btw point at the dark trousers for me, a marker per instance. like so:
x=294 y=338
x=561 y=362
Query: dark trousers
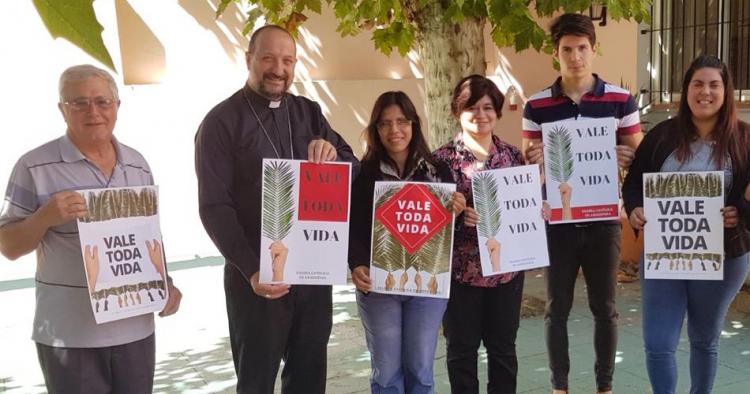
x=490 y=315
x=262 y=332
x=595 y=248
x=126 y=369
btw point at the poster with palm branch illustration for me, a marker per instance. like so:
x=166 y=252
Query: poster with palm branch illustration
x=304 y=222
x=684 y=231
x=122 y=253
x=509 y=204
x=580 y=167
x=412 y=239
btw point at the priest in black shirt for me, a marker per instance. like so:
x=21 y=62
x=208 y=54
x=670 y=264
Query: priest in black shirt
x=267 y=322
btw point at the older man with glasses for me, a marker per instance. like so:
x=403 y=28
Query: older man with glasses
x=39 y=214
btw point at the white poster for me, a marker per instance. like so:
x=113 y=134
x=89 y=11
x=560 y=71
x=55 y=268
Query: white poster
x=511 y=230
x=412 y=239
x=580 y=167
x=684 y=231
x=122 y=252
x=305 y=222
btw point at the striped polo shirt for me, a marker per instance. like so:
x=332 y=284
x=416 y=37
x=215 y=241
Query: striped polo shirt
x=63 y=315
x=604 y=101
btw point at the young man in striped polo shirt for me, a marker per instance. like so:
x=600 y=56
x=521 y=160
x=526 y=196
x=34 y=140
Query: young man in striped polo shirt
x=593 y=246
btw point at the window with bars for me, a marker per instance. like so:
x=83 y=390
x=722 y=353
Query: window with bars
x=681 y=30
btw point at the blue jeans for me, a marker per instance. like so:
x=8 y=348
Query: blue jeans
x=401 y=333
x=665 y=303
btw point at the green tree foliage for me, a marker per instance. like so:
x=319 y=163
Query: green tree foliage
x=397 y=23
x=75 y=21
x=448 y=35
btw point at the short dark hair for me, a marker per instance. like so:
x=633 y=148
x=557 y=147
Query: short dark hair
x=572 y=24
x=376 y=152
x=256 y=34
x=472 y=88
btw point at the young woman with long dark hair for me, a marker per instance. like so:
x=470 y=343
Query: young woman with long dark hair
x=705 y=136
x=401 y=331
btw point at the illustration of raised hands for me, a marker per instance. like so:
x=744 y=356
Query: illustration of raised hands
x=402 y=281
x=432 y=285
x=390 y=281
x=91 y=260
x=566 y=196
x=156 y=254
x=279 y=254
x=493 y=248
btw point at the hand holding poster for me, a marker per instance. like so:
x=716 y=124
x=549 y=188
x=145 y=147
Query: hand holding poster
x=684 y=231
x=509 y=204
x=412 y=239
x=305 y=222
x=580 y=166
x=122 y=252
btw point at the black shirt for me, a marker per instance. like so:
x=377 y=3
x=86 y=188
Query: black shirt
x=229 y=150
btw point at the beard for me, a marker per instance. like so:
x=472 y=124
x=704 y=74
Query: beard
x=269 y=86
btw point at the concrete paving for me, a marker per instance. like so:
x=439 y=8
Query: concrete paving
x=193 y=353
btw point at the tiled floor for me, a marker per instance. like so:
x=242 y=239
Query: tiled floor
x=193 y=353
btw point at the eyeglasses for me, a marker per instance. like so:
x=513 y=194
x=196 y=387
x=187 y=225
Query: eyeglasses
x=388 y=125
x=83 y=103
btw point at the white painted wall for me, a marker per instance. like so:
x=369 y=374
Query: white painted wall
x=183 y=62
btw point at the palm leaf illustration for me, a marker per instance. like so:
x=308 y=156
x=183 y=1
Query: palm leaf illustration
x=648 y=187
x=487 y=204
x=278 y=200
x=715 y=185
x=690 y=185
x=388 y=254
x=384 y=193
x=559 y=154
x=434 y=255
x=443 y=195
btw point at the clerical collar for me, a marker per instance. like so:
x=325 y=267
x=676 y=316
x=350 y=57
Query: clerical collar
x=253 y=98
x=260 y=101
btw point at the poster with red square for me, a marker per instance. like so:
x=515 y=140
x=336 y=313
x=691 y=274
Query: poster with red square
x=304 y=222
x=413 y=215
x=323 y=192
x=412 y=239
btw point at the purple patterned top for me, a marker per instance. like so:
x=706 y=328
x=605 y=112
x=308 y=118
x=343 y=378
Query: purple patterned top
x=467 y=268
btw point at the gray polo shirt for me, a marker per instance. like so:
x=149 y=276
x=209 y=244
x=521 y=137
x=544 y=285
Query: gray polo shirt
x=63 y=316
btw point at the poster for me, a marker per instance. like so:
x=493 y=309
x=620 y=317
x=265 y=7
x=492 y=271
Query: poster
x=122 y=252
x=580 y=166
x=509 y=204
x=412 y=239
x=304 y=222
x=684 y=231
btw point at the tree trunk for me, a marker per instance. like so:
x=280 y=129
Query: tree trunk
x=449 y=52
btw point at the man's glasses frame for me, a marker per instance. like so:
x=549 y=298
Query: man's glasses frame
x=84 y=103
